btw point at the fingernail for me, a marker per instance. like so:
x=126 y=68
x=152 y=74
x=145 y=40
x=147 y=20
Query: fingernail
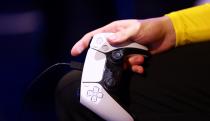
x=112 y=37
x=139 y=71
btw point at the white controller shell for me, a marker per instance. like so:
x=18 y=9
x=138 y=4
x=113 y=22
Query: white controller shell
x=92 y=94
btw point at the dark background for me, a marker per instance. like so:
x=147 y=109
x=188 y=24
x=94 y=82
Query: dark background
x=56 y=26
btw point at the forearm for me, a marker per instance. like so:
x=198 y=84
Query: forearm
x=191 y=25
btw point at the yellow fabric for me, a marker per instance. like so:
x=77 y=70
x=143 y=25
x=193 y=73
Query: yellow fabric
x=191 y=24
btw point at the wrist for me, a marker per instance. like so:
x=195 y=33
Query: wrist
x=170 y=34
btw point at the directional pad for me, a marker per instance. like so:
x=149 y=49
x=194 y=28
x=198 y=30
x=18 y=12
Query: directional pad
x=94 y=94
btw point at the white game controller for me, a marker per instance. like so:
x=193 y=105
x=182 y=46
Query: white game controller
x=102 y=74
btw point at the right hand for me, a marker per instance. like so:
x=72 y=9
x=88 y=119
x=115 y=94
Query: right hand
x=156 y=33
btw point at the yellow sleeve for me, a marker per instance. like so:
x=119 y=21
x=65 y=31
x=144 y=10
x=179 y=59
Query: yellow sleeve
x=191 y=24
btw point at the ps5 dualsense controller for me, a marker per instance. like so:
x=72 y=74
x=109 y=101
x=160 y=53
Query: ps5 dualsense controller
x=102 y=76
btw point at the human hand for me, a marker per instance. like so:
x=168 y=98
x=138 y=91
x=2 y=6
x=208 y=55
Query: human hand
x=156 y=33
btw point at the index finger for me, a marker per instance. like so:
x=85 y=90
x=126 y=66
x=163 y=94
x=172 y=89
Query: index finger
x=83 y=43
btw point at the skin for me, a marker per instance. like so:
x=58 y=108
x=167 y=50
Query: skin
x=156 y=33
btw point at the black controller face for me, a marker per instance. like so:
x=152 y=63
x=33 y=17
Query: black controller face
x=102 y=77
x=114 y=67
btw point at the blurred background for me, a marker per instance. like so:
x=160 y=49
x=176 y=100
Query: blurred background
x=35 y=34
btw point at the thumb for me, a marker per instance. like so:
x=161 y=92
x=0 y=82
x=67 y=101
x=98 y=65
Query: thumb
x=123 y=35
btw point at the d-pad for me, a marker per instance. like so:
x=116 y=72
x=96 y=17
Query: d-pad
x=94 y=94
